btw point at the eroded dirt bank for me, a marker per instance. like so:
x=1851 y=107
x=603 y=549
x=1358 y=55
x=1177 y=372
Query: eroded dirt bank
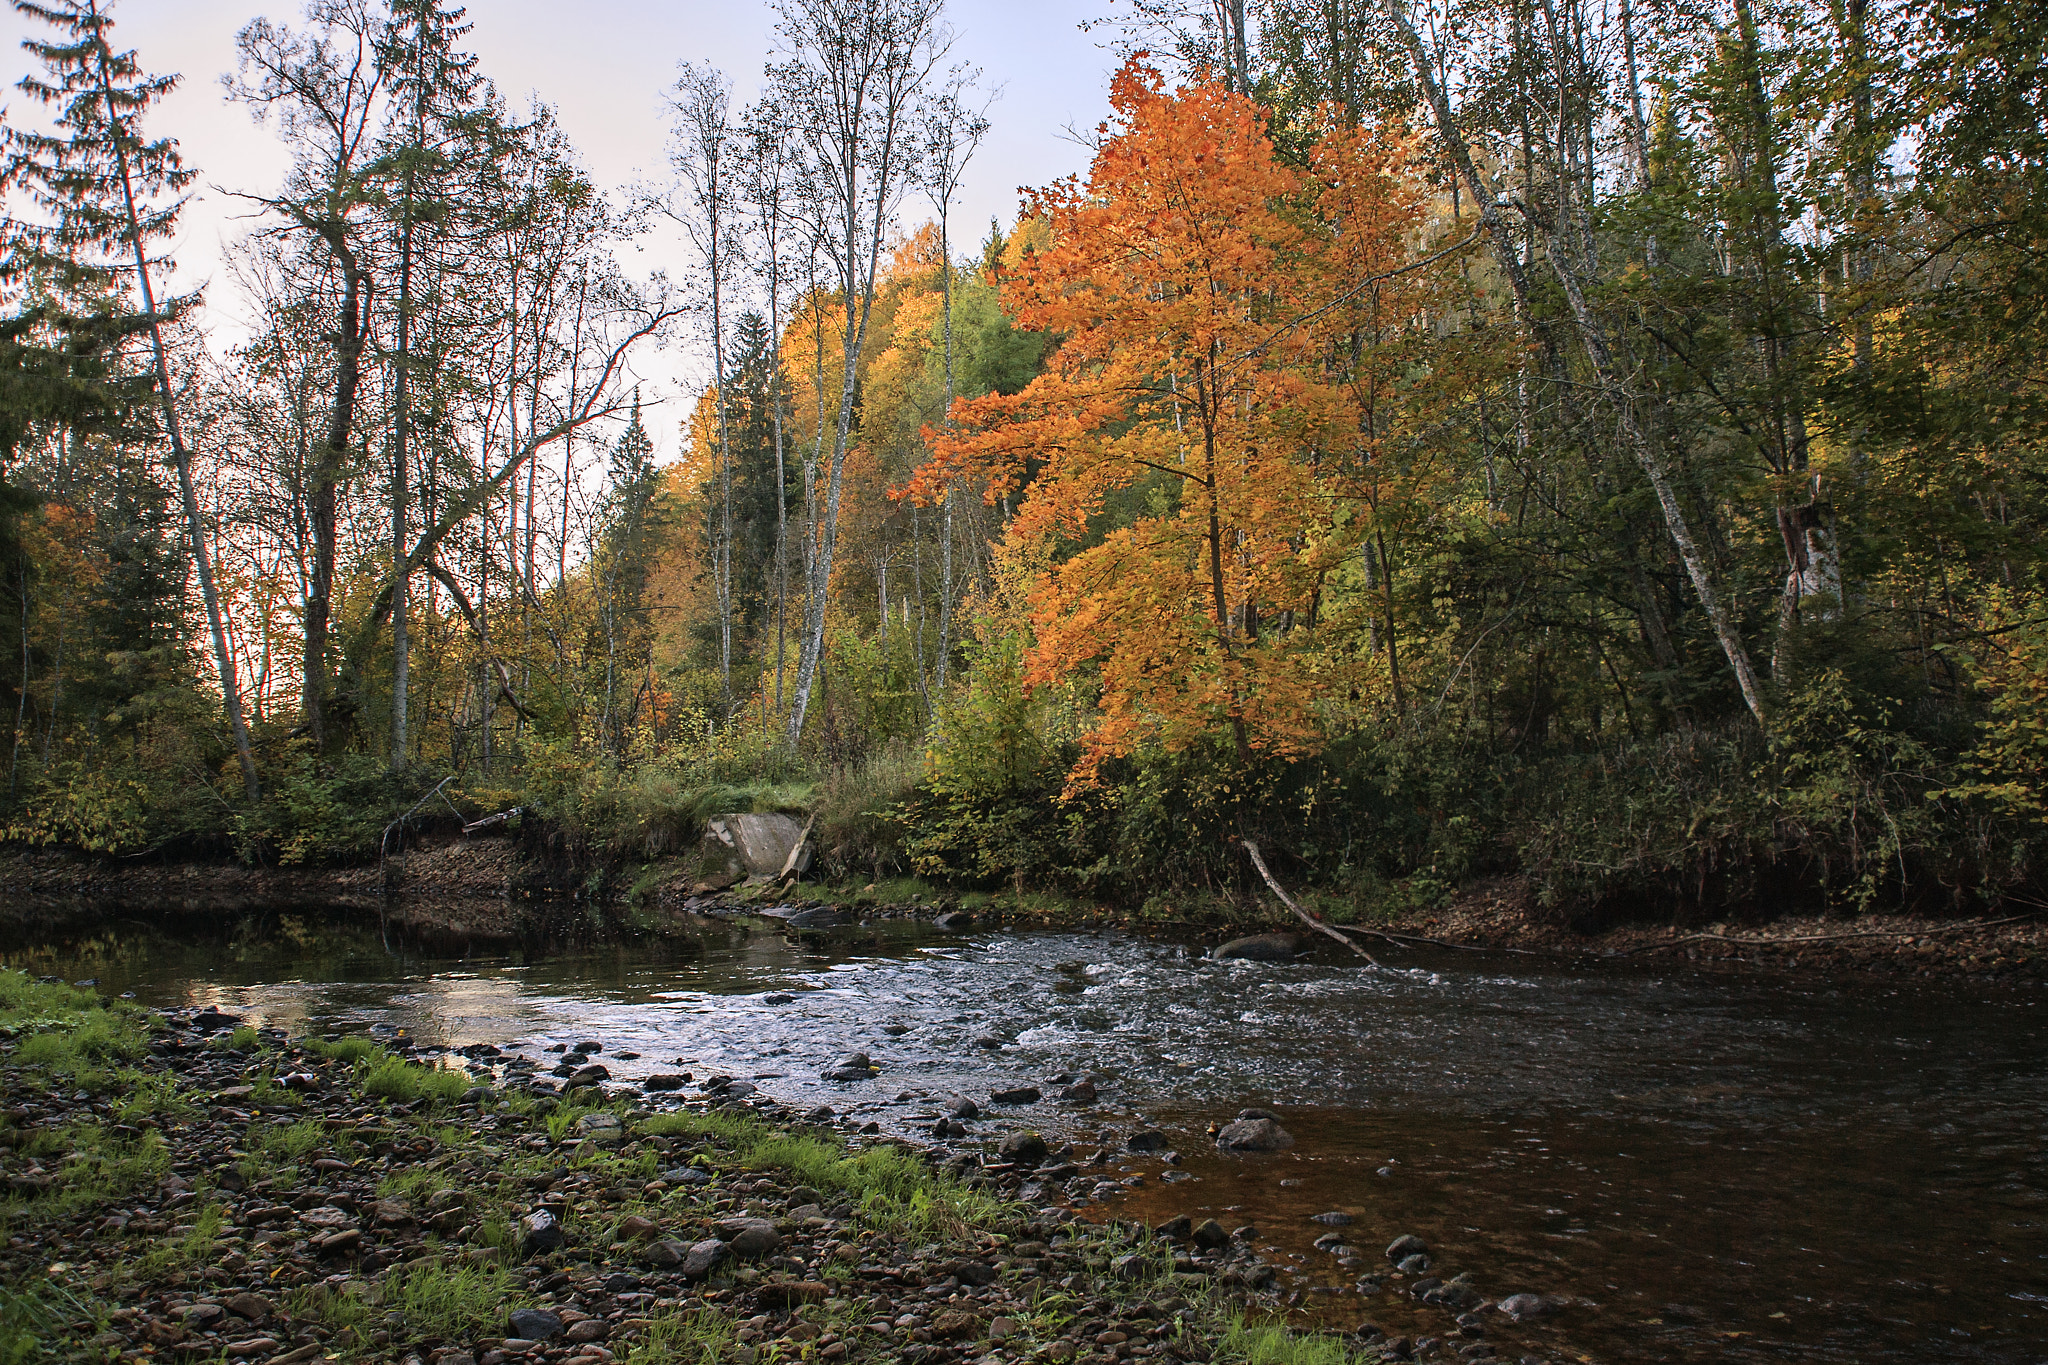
x=484 y=890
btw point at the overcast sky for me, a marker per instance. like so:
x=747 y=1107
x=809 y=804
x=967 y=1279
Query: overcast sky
x=605 y=65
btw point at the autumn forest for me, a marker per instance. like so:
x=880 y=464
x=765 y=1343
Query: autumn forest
x=1593 y=444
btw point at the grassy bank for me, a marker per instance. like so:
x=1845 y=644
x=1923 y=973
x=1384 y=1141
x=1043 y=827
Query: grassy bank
x=181 y=1188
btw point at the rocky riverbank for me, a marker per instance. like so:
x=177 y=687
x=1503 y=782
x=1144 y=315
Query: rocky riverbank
x=183 y=1186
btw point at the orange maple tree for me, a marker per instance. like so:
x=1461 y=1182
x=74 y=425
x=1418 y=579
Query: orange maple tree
x=1205 y=406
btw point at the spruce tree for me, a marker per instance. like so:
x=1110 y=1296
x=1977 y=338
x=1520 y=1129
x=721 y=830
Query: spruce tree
x=108 y=193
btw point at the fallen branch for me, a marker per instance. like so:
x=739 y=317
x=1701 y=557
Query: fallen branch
x=1301 y=914
x=1410 y=940
x=796 y=851
x=500 y=818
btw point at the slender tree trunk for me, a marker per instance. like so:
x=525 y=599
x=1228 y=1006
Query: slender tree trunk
x=401 y=493
x=202 y=561
x=1593 y=338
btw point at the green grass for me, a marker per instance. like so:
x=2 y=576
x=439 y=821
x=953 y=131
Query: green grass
x=97 y=1169
x=1263 y=1342
x=294 y=1142
x=448 y=1302
x=700 y=1336
x=355 y=1051
x=36 y=1318
x=344 y=1311
x=890 y=1187
x=402 y=1082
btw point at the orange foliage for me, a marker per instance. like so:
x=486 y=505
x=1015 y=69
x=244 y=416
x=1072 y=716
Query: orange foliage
x=1218 y=373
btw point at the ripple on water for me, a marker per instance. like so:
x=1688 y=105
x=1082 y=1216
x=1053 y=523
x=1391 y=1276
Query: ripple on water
x=1740 y=1168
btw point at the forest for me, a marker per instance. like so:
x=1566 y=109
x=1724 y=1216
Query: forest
x=1591 y=442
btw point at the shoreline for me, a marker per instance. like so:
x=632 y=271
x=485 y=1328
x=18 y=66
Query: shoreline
x=206 y=1190
x=479 y=893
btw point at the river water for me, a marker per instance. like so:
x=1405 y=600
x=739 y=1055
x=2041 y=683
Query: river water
x=1706 y=1166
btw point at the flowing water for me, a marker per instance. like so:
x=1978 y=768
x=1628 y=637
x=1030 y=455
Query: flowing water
x=1708 y=1166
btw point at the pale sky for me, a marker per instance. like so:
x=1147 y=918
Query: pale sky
x=605 y=65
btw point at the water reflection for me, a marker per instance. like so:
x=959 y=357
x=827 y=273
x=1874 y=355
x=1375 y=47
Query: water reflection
x=1716 y=1167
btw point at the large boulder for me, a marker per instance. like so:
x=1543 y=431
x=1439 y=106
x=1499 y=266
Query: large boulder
x=1259 y=948
x=1254 y=1130
x=760 y=843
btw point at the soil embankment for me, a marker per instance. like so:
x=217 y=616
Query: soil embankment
x=484 y=890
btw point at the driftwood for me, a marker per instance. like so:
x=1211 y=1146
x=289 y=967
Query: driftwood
x=1299 y=913
x=487 y=821
x=796 y=851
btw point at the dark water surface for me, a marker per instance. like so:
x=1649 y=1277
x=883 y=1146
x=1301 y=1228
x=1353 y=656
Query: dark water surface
x=1712 y=1166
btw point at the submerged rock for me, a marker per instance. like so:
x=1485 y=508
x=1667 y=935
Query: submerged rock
x=1258 y=948
x=1254 y=1134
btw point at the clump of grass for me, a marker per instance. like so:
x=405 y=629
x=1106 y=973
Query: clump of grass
x=1249 y=1342
x=701 y=1336
x=448 y=1302
x=355 y=1051
x=198 y=1246
x=402 y=1082
x=343 y=1311
x=891 y=1187
x=243 y=1039
x=294 y=1142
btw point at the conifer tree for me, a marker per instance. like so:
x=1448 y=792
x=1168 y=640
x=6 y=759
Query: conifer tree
x=109 y=193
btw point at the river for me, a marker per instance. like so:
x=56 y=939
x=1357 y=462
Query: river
x=1704 y=1165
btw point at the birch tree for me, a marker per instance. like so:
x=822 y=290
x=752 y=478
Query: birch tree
x=860 y=69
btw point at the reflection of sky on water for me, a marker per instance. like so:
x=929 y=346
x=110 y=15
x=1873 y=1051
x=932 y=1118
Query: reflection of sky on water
x=1683 y=1137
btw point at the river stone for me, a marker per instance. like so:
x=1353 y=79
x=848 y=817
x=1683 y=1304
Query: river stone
x=587 y=1046
x=1026 y=1149
x=1254 y=1135
x=1335 y=1218
x=1413 y=1265
x=1175 y=1229
x=687 y=1175
x=540 y=1231
x=210 y=1020
x=1522 y=1307
x=954 y=921
x=1080 y=1092
x=751 y=1238
x=854 y=1066
x=1210 y=1235
x=666 y=1082
x=960 y=1107
x=251 y=1306
x=534 y=1324
x=636 y=1228
x=817 y=917
x=1132 y=1265
x=1258 y=948
x=666 y=1254
x=1404 y=1246
x=1146 y=1140
x=588 y=1075
x=1016 y=1094
x=702 y=1256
